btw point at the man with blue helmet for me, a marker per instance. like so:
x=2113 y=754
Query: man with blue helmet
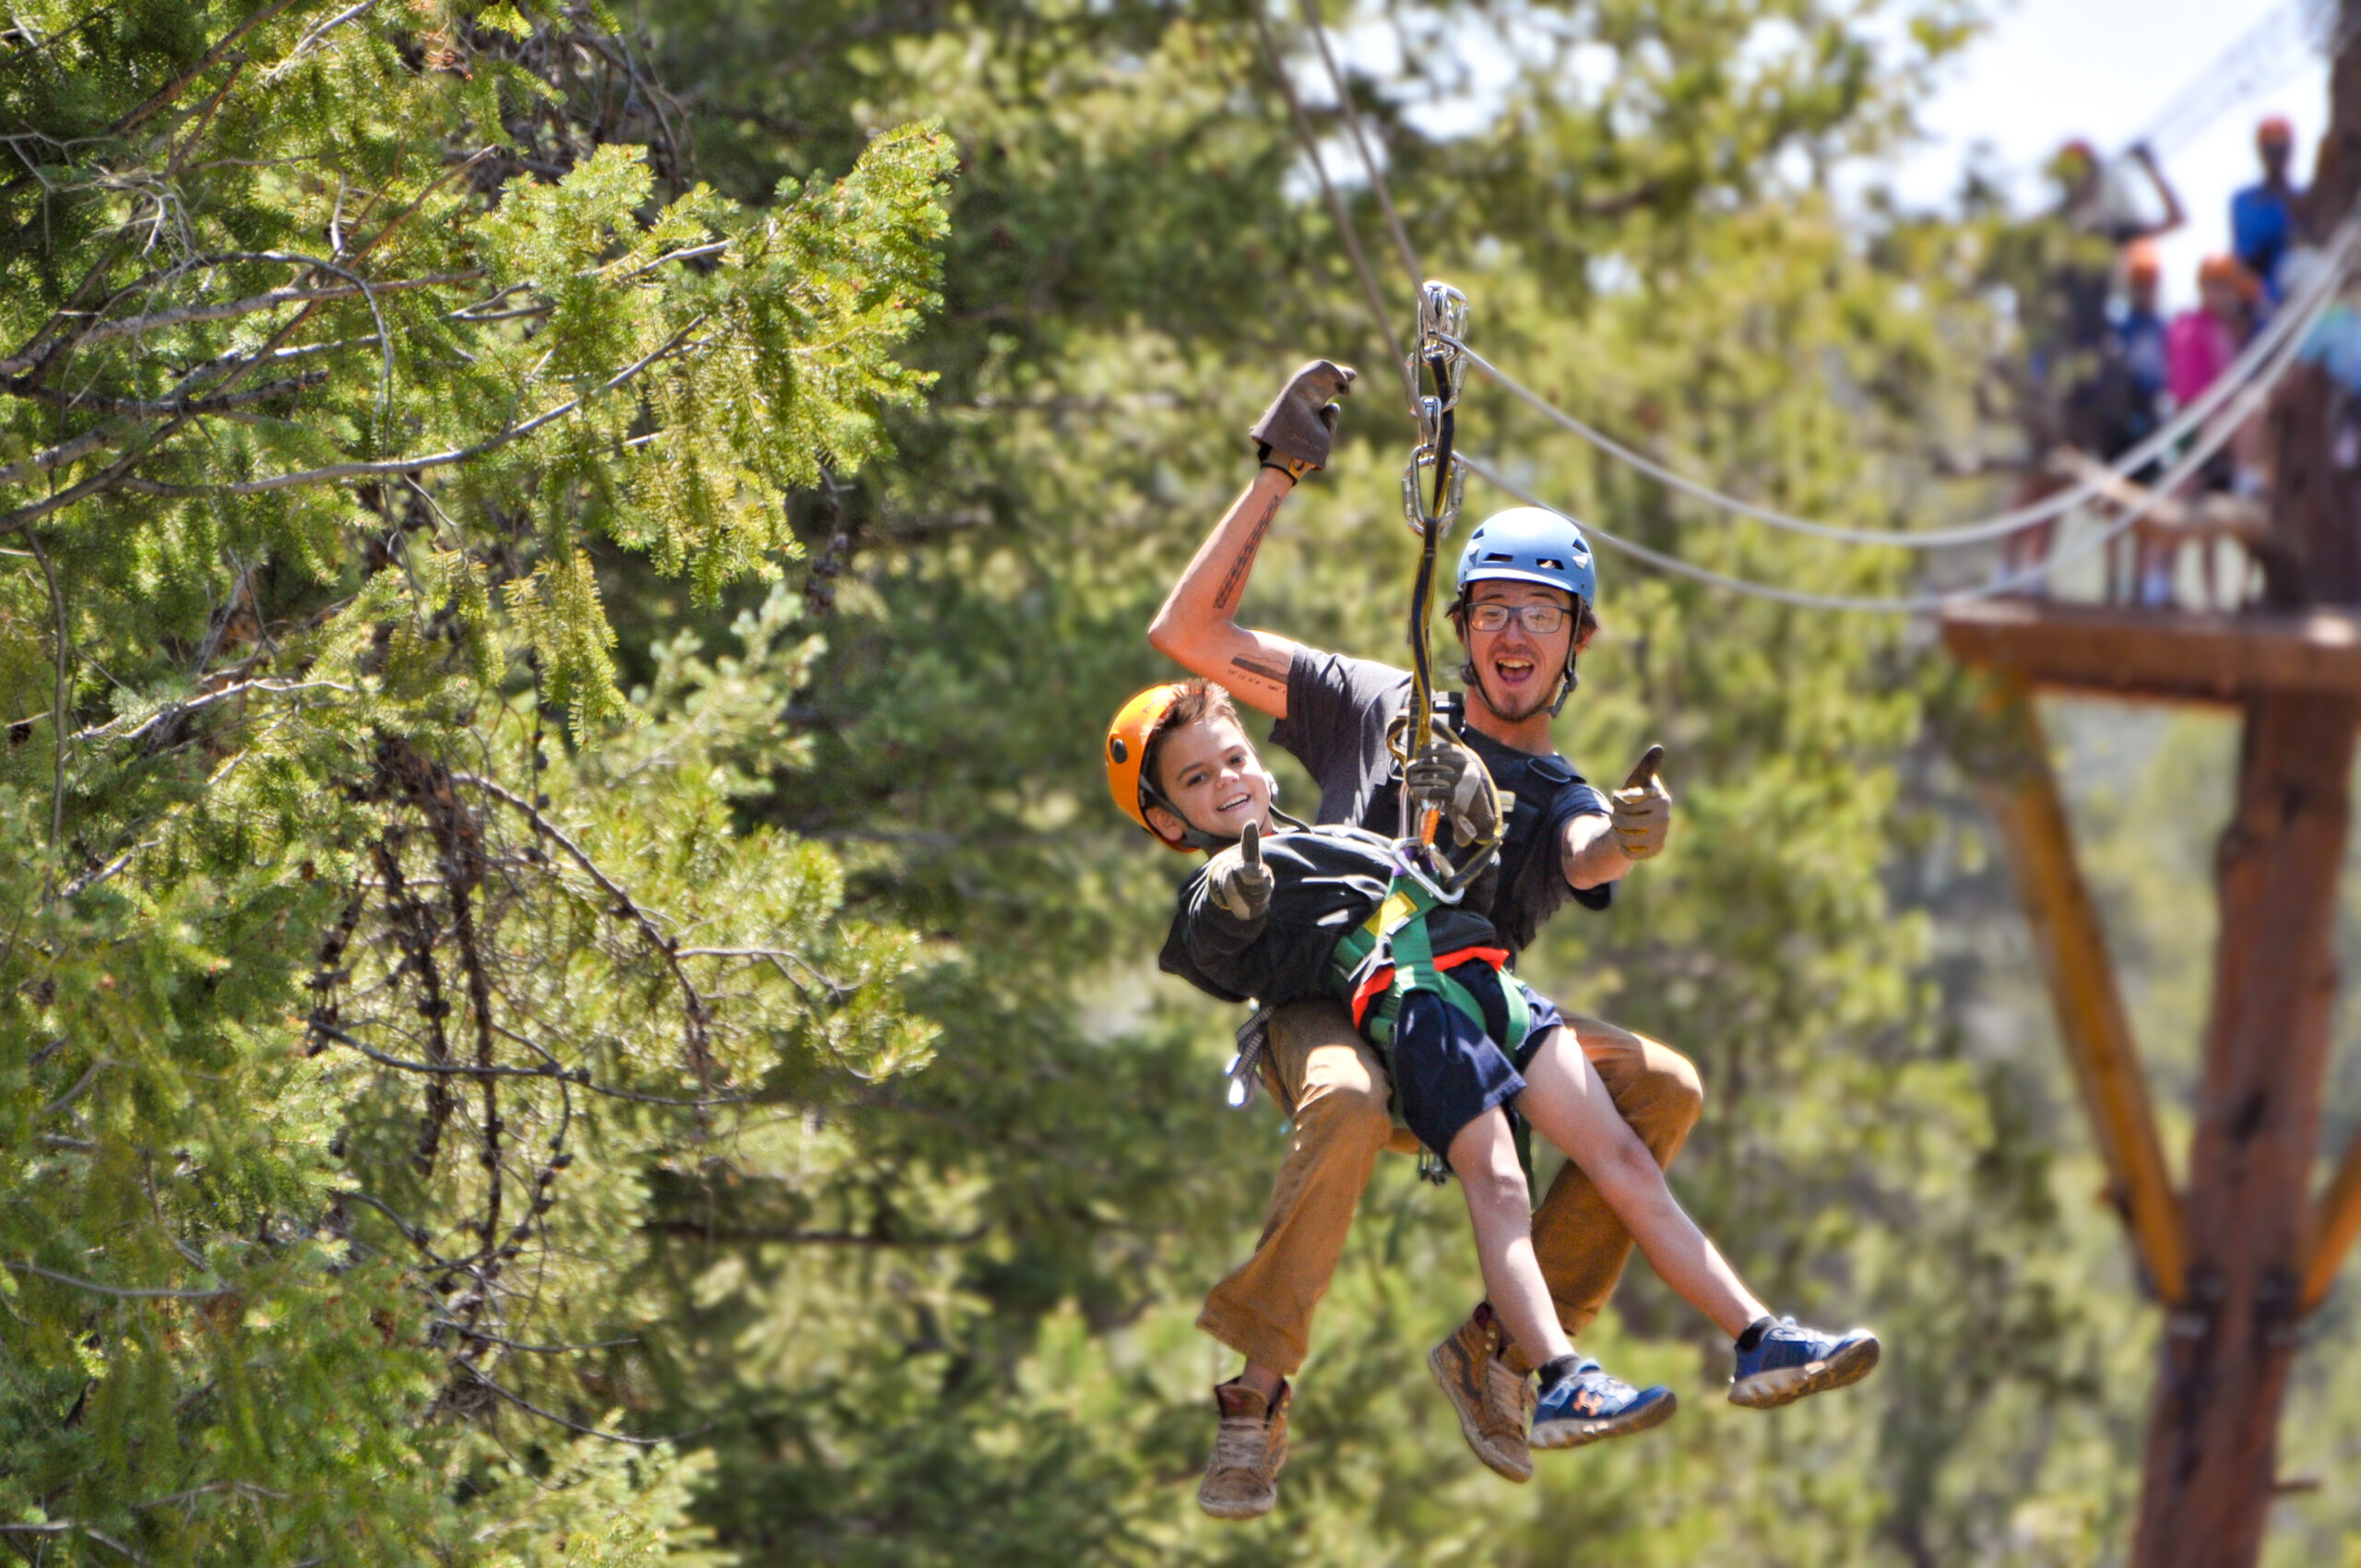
x=1524 y=613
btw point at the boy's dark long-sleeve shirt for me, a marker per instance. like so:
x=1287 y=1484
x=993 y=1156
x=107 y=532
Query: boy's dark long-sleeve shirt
x=1324 y=880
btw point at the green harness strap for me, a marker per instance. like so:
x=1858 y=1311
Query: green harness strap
x=1396 y=933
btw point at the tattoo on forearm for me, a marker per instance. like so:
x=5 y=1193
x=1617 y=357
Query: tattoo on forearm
x=1235 y=584
x=1275 y=674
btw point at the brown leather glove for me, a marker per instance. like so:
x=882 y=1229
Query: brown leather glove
x=1445 y=774
x=1641 y=819
x=1295 y=432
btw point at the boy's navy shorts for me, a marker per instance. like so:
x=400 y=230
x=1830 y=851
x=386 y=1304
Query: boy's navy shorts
x=1446 y=1071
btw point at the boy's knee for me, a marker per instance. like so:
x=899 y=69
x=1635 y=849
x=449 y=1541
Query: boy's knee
x=1499 y=1187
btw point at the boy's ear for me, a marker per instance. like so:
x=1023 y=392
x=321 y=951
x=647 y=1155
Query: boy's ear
x=1168 y=827
x=1271 y=783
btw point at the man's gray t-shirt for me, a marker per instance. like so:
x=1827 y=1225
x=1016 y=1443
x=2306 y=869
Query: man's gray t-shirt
x=1337 y=711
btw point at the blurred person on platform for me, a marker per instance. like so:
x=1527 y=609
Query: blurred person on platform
x=2200 y=345
x=2076 y=252
x=2262 y=216
x=2134 y=392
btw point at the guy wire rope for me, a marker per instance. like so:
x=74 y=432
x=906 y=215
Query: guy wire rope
x=2258 y=60
x=1360 y=141
x=1336 y=213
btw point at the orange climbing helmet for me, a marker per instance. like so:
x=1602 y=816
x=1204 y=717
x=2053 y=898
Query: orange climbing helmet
x=2274 y=130
x=1135 y=726
x=2226 y=269
x=2143 y=260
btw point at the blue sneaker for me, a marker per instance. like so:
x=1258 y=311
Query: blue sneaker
x=1791 y=1362
x=1591 y=1406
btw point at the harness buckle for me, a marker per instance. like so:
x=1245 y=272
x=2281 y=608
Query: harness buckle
x=1409 y=859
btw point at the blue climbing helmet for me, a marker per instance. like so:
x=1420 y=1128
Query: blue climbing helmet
x=1528 y=544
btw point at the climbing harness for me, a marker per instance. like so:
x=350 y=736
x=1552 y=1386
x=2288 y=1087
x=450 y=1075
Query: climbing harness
x=1387 y=959
x=1389 y=955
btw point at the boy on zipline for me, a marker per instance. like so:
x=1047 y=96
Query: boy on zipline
x=1344 y=914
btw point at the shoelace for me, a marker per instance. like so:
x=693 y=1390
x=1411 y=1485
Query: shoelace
x=1510 y=1391
x=1242 y=1443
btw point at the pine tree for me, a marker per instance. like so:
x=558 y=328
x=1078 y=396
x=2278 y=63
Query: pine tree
x=379 y=980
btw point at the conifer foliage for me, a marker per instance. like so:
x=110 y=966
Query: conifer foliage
x=369 y=963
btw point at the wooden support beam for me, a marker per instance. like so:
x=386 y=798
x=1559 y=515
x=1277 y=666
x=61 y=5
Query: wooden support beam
x=2336 y=1220
x=2010 y=764
x=2157 y=655
x=2213 y=1432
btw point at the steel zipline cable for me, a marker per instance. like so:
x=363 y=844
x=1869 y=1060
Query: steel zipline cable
x=2250 y=397
x=2298 y=316
x=2247 y=380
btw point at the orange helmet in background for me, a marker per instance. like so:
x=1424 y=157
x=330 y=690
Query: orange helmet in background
x=2143 y=260
x=2274 y=130
x=1127 y=738
x=2226 y=269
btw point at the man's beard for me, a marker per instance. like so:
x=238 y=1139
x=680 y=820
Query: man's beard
x=1484 y=694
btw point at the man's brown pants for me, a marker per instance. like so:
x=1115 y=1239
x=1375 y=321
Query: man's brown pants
x=1337 y=1087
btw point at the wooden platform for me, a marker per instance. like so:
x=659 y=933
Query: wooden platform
x=2157 y=655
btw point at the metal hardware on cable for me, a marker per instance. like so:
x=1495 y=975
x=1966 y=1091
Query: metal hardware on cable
x=1437 y=350
x=1439 y=355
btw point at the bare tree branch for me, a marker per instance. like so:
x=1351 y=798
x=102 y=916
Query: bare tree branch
x=126 y=1293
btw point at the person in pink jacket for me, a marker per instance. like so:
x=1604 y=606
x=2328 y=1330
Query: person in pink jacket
x=2198 y=346
x=2200 y=343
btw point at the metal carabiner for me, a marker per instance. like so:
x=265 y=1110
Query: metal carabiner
x=1442 y=313
x=1418 y=483
x=1442 y=323
x=1429 y=415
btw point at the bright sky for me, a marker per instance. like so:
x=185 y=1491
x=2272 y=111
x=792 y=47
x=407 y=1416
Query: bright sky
x=2050 y=70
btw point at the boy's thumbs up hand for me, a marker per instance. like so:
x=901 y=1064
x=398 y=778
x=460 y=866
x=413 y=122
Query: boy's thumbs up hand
x=1238 y=881
x=1641 y=819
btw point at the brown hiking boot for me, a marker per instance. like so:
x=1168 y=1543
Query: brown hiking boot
x=1242 y=1480
x=1491 y=1390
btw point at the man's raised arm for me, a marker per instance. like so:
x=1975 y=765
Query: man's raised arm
x=1198 y=626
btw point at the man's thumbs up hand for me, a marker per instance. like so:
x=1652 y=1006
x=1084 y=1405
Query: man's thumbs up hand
x=1641 y=819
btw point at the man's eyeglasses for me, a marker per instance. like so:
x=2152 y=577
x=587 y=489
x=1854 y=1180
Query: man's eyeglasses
x=1541 y=620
